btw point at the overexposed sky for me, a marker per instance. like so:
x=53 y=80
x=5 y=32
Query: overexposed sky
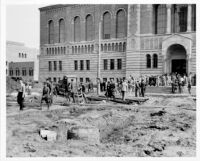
x=23 y=24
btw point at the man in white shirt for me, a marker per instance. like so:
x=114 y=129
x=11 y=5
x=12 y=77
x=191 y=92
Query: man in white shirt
x=124 y=89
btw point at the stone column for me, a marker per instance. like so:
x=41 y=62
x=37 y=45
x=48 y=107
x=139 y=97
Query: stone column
x=138 y=20
x=83 y=30
x=169 y=18
x=188 y=64
x=165 y=61
x=189 y=18
x=72 y=31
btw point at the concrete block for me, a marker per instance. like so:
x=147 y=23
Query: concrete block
x=48 y=134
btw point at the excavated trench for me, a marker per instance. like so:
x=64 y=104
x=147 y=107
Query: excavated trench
x=119 y=125
x=151 y=129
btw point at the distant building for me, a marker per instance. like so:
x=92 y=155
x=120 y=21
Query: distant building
x=136 y=39
x=21 y=61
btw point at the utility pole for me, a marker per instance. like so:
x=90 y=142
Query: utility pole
x=99 y=61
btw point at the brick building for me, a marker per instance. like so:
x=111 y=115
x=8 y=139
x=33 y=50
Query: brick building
x=21 y=61
x=141 y=39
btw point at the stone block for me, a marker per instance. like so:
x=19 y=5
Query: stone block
x=48 y=134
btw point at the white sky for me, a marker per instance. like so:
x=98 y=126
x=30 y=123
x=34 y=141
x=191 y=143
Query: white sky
x=23 y=24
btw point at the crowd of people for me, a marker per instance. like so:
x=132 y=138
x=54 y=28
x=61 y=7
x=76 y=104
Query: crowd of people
x=122 y=86
x=138 y=85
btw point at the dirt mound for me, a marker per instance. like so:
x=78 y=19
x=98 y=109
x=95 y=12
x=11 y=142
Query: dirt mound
x=11 y=85
x=172 y=101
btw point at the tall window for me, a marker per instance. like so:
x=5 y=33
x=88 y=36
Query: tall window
x=55 y=65
x=155 y=60
x=119 y=64
x=23 y=71
x=89 y=28
x=30 y=71
x=160 y=19
x=77 y=29
x=60 y=65
x=106 y=25
x=51 y=32
x=194 y=17
x=50 y=66
x=124 y=46
x=61 y=30
x=20 y=55
x=148 y=60
x=179 y=18
x=87 y=79
x=81 y=65
x=11 y=72
x=81 y=79
x=17 y=72
x=120 y=24
x=75 y=65
x=112 y=64
x=88 y=64
x=105 y=64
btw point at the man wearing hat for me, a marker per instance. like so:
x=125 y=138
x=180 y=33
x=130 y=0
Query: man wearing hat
x=21 y=94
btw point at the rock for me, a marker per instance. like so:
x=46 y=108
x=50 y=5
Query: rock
x=48 y=134
x=159 y=113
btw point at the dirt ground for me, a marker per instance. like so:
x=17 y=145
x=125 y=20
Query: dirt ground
x=161 y=127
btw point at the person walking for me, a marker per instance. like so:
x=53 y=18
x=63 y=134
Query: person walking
x=189 y=87
x=72 y=90
x=124 y=89
x=142 y=87
x=50 y=86
x=137 y=88
x=45 y=95
x=21 y=94
x=112 y=89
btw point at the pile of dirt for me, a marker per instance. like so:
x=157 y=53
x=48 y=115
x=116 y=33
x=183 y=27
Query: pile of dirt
x=171 y=101
x=11 y=85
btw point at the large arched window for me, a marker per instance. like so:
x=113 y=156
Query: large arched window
x=51 y=32
x=61 y=31
x=77 y=29
x=120 y=24
x=148 y=60
x=194 y=17
x=106 y=25
x=155 y=60
x=179 y=18
x=89 y=35
x=160 y=19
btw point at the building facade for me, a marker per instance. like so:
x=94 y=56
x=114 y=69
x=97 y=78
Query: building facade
x=22 y=61
x=140 y=39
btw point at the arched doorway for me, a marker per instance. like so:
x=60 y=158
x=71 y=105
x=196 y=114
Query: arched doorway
x=176 y=56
